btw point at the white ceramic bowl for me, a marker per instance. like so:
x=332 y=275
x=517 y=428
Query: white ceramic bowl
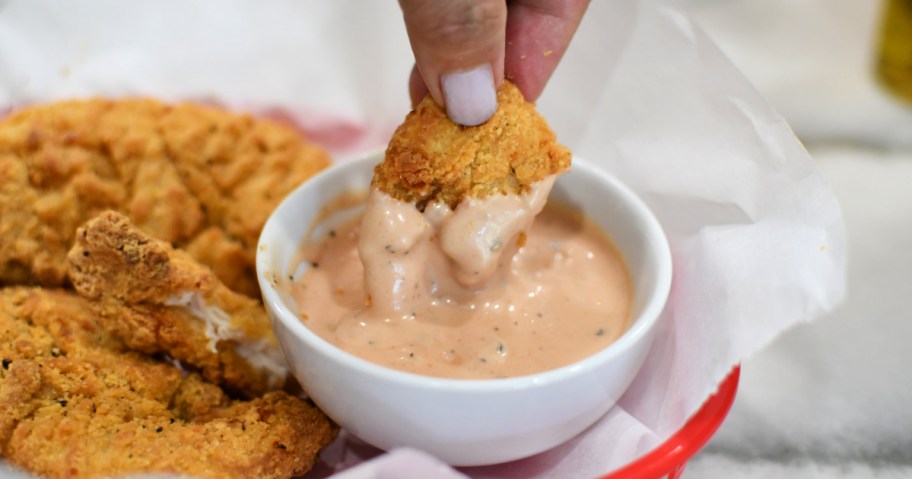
x=467 y=422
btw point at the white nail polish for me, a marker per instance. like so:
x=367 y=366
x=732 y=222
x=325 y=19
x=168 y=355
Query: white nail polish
x=470 y=95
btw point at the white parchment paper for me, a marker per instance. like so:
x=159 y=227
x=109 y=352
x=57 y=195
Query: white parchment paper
x=757 y=236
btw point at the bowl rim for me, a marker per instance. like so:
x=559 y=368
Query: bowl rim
x=645 y=321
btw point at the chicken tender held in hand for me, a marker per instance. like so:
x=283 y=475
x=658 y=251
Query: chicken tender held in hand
x=160 y=300
x=76 y=403
x=430 y=158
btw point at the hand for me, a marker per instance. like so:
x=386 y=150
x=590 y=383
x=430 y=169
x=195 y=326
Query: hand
x=463 y=49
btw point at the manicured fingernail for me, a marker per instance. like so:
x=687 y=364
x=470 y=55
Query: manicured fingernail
x=470 y=96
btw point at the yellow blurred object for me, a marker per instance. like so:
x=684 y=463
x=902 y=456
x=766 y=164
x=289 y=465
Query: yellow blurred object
x=894 y=66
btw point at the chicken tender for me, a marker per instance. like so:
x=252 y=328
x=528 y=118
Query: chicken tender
x=197 y=177
x=75 y=402
x=158 y=299
x=430 y=158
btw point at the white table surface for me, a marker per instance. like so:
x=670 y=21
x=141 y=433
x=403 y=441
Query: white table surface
x=832 y=398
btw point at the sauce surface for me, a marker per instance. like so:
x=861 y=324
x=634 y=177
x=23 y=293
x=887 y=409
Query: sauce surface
x=479 y=292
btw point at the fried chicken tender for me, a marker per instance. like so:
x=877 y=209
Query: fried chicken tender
x=158 y=299
x=199 y=178
x=75 y=402
x=430 y=158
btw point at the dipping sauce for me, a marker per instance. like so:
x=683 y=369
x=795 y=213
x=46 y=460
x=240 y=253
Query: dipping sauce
x=477 y=292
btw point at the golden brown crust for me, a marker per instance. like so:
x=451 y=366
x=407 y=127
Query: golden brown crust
x=74 y=402
x=141 y=287
x=178 y=171
x=430 y=158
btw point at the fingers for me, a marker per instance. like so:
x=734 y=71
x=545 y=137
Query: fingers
x=538 y=32
x=463 y=48
x=417 y=90
x=459 y=54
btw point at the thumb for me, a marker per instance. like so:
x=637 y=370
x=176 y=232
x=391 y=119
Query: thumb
x=459 y=53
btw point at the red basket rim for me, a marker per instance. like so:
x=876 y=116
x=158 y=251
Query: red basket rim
x=672 y=454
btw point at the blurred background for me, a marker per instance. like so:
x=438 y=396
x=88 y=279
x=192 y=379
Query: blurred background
x=829 y=399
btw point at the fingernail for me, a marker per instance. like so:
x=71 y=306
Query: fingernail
x=470 y=96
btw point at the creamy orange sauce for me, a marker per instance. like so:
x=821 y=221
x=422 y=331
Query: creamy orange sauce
x=479 y=292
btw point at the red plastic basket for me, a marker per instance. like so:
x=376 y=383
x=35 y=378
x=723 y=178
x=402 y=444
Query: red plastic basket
x=670 y=457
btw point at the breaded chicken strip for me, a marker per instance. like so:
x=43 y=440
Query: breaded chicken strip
x=158 y=299
x=75 y=403
x=199 y=178
x=430 y=158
